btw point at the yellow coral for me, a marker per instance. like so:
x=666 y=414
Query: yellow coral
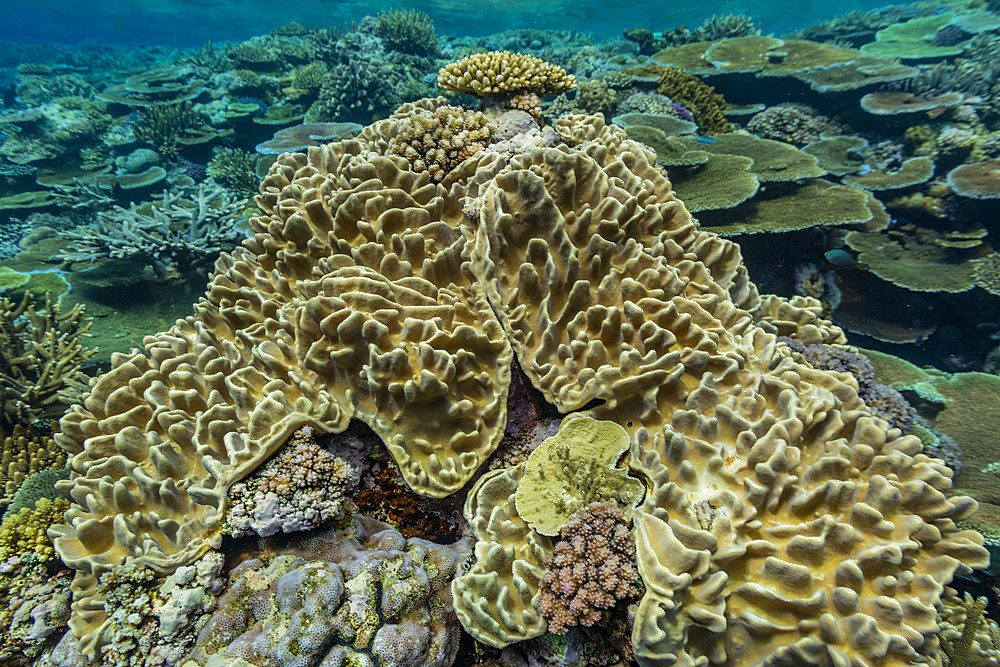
x=436 y=141
x=23 y=453
x=24 y=533
x=502 y=73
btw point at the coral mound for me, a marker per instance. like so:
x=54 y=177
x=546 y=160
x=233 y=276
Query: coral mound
x=782 y=521
x=369 y=597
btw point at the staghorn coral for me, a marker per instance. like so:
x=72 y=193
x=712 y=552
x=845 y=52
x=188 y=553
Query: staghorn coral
x=436 y=141
x=303 y=486
x=502 y=74
x=363 y=597
x=182 y=234
x=41 y=352
x=371 y=292
x=591 y=569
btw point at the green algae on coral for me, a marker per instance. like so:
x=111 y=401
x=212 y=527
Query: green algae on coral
x=576 y=467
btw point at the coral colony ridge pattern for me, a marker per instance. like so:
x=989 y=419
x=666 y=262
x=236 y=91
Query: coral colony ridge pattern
x=469 y=384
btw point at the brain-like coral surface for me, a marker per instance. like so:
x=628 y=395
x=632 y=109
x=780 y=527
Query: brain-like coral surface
x=782 y=520
x=370 y=598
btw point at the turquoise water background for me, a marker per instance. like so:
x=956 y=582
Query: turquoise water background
x=191 y=23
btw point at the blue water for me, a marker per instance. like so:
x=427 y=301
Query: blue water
x=188 y=23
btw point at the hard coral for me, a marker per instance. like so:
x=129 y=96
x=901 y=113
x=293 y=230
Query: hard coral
x=795 y=123
x=23 y=534
x=592 y=568
x=302 y=487
x=410 y=31
x=41 y=351
x=501 y=74
x=371 y=292
x=24 y=452
x=698 y=97
x=365 y=597
x=437 y=141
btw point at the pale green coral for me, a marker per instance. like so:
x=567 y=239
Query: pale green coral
x=576 y=467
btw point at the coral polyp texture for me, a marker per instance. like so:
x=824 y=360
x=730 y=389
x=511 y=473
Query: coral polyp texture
x=502 y=73
x=782 y=522
x=592 y=568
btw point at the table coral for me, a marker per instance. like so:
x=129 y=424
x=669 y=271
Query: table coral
x=504 y=74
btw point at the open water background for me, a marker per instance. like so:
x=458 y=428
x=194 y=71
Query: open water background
x=192 y=23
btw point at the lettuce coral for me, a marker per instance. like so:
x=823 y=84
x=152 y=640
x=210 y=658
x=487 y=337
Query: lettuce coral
x=782 y=520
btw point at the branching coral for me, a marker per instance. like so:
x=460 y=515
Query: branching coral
x=303 y=486
x=410 y=31
x=41 y=352
x=236 y=168
x=501 y=74
x=163 y=126
x=26 y=451
x=23 y=534
x=176 y=235
x=591 y=569
x=436 y=141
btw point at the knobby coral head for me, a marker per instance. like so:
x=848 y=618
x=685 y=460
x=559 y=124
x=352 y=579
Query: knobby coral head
x=780 y=519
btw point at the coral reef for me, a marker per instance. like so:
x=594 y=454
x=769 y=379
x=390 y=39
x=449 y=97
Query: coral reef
x=23 y=535
x=795 y=123
x=436 y=141
x=411 y=31
x=372 y=292
x=301 y=487
x=503 y=74
x=34 y=608
x=26 y=451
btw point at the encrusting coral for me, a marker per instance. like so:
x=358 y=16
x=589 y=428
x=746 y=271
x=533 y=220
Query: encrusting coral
x=364 y=596
x=782 y=521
